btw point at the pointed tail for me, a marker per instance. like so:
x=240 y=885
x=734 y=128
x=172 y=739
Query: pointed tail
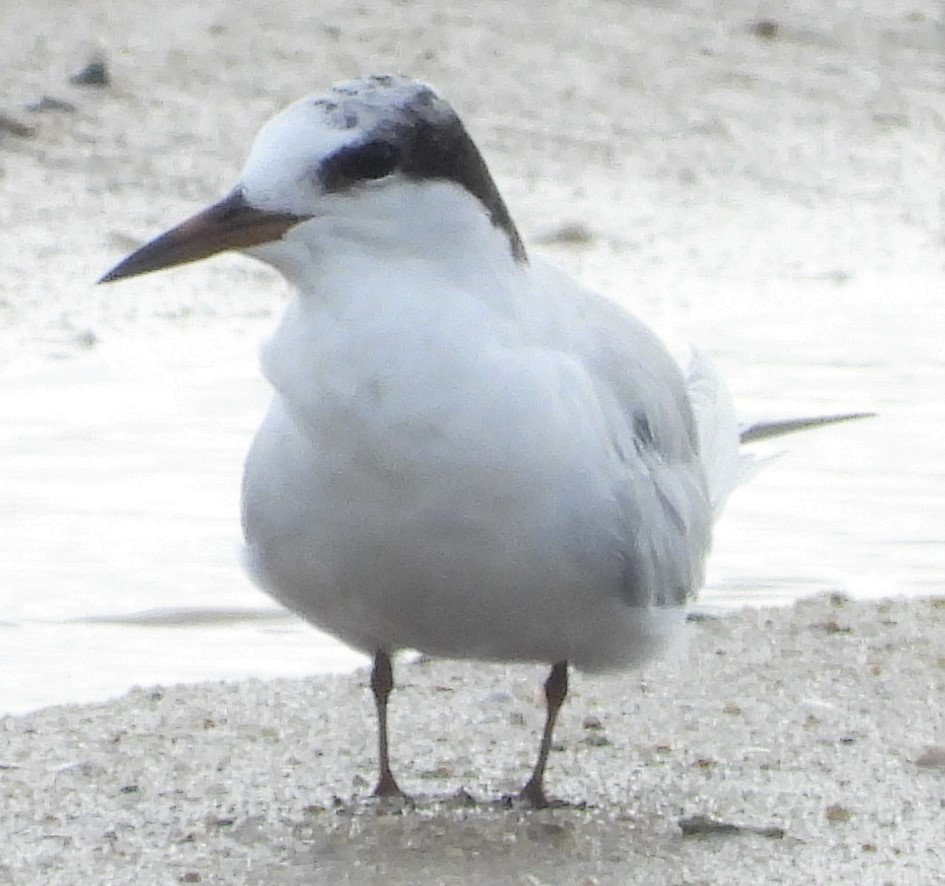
x=720 y=436
x=764 y=430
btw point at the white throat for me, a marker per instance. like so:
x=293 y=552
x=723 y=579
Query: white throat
x=408 y=224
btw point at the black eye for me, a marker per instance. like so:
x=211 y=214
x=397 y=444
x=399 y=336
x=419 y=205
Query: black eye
x=360 y=163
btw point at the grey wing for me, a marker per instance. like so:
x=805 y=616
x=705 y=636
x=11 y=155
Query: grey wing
x=664 y=500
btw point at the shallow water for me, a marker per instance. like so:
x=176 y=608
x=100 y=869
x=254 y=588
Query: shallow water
x=119 y=526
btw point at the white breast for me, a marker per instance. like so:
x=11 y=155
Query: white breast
x=446 y=472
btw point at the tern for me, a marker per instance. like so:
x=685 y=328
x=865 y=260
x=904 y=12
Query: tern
x=467 y=453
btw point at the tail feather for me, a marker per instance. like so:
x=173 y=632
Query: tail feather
x=764 y=430
x=720 y=436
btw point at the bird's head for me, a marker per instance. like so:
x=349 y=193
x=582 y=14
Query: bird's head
x=355 y=154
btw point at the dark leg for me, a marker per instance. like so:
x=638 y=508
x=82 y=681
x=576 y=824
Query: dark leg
x=556 y=688
x=382 y=682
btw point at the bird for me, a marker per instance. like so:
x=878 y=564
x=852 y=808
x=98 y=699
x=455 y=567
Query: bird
x=467 y=453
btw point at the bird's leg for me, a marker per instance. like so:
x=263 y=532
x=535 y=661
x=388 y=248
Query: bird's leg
x=556 y=688
x=382 y=682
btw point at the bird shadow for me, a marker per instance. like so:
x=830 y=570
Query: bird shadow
x=461 y=799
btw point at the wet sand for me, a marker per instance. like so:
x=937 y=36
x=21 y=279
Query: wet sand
x=811 y=737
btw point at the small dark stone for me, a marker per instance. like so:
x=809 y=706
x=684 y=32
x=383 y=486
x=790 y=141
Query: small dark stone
x=765 y=29
x=837 y=814
x=14 y=127
x=95 y=73
x=704 y=825
x=50 y=103
x=833 y=627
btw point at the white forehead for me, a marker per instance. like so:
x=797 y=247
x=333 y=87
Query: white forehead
x=289 y=148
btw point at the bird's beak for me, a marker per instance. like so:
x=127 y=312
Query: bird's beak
x=230 y=224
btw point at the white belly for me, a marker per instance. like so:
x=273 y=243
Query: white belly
x=462 y=498
x=459 y=562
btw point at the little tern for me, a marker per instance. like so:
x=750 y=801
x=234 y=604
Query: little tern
x=466 y=453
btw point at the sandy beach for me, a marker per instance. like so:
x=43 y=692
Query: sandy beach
x=811 y=738
x=734 y=172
